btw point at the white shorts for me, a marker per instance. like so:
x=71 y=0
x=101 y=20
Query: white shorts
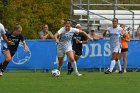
x=116 y=49
x=62 y=51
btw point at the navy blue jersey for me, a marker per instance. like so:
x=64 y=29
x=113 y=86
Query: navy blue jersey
x=81 y=37
x=15 y=40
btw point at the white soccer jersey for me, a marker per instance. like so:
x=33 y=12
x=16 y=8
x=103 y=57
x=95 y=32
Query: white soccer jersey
x=115 y=34
x=2 y=31
x=65 y=39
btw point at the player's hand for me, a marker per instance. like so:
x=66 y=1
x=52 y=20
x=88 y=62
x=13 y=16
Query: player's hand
x=90 y=38
x=57 y=41
x=10 y=43
x=26 y=49
x=77 y=41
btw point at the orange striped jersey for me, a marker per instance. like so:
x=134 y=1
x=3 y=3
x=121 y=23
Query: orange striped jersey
x=124 y=43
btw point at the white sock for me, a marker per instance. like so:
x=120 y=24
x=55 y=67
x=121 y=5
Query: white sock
x=119 y=65
x=112 y=65
x=74 y=65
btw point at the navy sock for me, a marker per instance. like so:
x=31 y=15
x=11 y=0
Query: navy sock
x=4 y=65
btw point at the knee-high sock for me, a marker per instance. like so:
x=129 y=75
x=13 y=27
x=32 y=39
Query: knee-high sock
x=74 y=65
x=4 y=65
x=112 y=65
x=0 y=65
x=119 y=65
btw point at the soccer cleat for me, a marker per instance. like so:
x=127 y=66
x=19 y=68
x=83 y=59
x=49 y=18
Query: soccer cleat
x=70 y=71
x=108 y=72
x=1 y=73
x=116 y=71
x=124 y=71
x=78 y=74
x=120 y=72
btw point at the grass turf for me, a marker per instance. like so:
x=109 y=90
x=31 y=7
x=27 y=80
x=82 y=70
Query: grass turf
x=90 y=82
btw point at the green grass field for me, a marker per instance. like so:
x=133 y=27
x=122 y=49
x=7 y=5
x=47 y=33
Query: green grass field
x=91 y=82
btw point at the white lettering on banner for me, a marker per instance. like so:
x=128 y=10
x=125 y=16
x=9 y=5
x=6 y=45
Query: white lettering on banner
x=93 y=48
x=107 y=51
x=86 y=51
x=96 y=50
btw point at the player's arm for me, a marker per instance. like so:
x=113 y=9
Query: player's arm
x=104 y=33
x=56 y=37
x=82 y=42
x=25 y=46
x=85 y=41
x=84 y=33
x=6 y=40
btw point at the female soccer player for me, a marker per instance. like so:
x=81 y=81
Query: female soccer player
x=115 y=32
x=64 y=46
x=10 y=49
x=78 y=40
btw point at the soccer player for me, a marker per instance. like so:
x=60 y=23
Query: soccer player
x=115 y=32
x=10 y=49
x=64 y=46
x=78 y=39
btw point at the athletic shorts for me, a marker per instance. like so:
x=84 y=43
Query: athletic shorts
x=116 y=49
x=62 y=51
x=77 y=52
x=124 y=50
x=12 y=52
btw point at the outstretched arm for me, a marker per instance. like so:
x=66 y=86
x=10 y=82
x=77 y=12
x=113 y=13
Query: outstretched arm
x=25 y=46
x=104 y=33
x=6 y=40
x=84 y=33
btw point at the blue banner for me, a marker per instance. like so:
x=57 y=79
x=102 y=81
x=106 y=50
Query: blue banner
x=96 y=54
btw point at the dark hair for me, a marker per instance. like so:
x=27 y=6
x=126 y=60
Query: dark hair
x=115 y=19
x=68 y=22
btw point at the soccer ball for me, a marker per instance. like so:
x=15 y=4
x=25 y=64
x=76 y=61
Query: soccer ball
x=55 y=73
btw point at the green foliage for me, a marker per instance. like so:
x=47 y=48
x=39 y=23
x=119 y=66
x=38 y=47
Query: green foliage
x=32 y=14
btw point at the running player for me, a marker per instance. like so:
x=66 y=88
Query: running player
x=64 y=46
x=78 y=39
x=115 y=33
x=9 y=50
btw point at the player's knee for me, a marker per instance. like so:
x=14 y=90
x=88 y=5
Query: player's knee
x=72 y=60
x=8 y=59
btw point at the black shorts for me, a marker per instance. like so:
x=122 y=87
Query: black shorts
x=12 y=52
x=124 y=50
x=77 y=52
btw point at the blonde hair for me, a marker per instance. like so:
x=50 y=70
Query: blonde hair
x=17 y=27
